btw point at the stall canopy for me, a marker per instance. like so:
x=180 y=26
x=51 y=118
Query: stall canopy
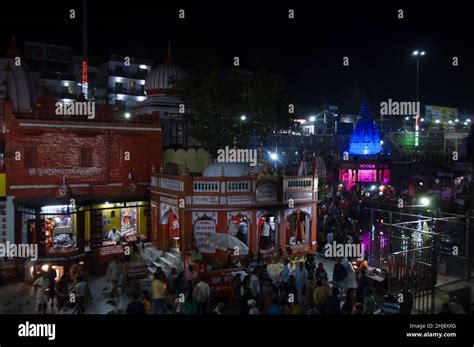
x=227 y=242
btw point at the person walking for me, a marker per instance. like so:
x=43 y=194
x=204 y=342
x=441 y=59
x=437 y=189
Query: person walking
x=146 y=301
x=136 y=306
x=62 y=292
x=255 y=286
x=334 y=302
x=321 y=295
x=158 y=294
x=235 y=295
x=309 y=265
x=265 y=237
x=80 y=294
x=203 y=293
x=285 y=273
x=370 y=305
x=300 y=280
x=349 y=301
x=364 y=283
x=190 y=302
x=339 y=274
x=114 y=274
x=52 y=284
x=350 y=280
x=42 y=285
x=245 y=295
x=320 y=272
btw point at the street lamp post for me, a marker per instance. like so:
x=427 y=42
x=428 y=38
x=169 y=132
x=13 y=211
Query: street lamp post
x=417 y=54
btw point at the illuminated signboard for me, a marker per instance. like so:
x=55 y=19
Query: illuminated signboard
x=85 y=84
x=43 y=51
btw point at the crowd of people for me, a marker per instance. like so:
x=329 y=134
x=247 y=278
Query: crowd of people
x=307 y=289
x=301 y=287
x=69 y=293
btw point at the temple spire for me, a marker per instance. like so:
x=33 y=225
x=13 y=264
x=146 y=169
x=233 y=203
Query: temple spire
x=12 y=51
x=169 y=58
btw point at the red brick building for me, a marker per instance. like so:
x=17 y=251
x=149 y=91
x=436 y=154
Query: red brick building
x=74 y=180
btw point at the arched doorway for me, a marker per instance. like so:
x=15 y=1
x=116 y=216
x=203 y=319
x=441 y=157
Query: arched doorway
x=298 y=228
x=170 y=227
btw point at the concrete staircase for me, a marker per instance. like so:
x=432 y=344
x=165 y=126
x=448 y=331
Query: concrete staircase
x=165 y=260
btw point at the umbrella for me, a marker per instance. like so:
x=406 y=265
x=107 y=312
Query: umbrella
x=227 y=241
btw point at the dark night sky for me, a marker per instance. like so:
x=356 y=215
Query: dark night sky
x=306 y=51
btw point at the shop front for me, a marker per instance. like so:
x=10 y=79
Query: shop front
x=91 y=234
x=113 y=228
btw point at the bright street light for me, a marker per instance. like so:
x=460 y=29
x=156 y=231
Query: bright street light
x=415 y=53
x=424 y=201
x=243 y=117
x=273 y=156
x=312 y=118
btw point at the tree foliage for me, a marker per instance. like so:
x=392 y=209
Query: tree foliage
x=217 y=99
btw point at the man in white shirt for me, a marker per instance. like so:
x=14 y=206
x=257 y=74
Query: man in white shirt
x=265 y=237
x=202 y=295
x=253 y=307
x=255 y=285
x=114 y=274
x=285 y=273
x=114 y=235
x=300 y=276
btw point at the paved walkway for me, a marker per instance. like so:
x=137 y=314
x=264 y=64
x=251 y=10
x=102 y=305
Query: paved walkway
x=19 y=298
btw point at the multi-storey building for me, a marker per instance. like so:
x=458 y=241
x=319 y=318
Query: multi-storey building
x=68 y=181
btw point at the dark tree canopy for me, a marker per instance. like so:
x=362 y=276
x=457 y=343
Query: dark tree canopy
x=217 y=99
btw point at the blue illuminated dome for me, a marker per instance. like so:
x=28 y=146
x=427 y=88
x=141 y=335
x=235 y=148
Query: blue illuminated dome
x=365 y=139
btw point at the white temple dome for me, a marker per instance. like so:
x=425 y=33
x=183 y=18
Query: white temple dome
x=159 y=80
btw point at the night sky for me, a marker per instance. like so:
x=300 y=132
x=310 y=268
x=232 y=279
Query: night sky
x=307 y=51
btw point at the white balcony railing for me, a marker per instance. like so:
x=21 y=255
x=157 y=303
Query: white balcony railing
x=305 y=183
x=206 y=186
x=239 y=186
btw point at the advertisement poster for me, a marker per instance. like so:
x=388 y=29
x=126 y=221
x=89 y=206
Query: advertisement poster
x=202 y=230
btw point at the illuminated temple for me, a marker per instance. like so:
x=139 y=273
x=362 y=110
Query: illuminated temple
x=366 y=165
